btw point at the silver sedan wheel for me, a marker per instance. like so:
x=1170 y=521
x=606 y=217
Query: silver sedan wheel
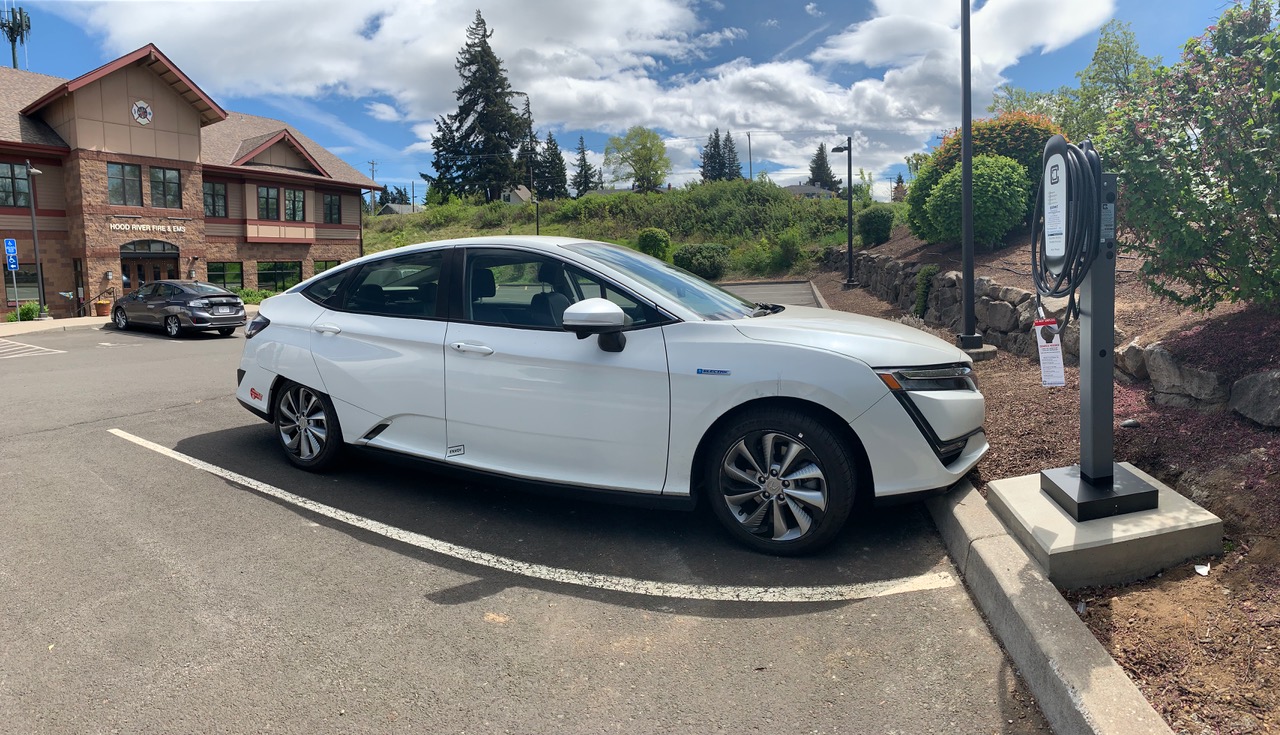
x=303 y=423
x=172 y=326
x=774 y=485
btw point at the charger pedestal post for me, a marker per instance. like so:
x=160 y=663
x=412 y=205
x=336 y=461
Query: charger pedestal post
x=1101 y=522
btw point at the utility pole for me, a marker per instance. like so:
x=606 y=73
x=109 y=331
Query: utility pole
x=751 y=174
x=373 y=174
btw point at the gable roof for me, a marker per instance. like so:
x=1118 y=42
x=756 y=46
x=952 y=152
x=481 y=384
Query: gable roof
x=19 y=89
x=150 y=57
x=234 y=142
x=400 y=208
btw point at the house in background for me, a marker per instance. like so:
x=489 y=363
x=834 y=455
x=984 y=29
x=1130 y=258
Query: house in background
x=518 y=194
x=400 y=209
x=139 y=175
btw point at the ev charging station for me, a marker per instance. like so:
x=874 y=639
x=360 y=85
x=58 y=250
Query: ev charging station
x=1099 y=521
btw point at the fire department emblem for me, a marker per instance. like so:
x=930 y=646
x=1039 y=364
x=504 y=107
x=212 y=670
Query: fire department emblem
x=142 y=112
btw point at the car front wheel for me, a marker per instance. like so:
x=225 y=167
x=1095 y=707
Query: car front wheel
x=120 y=318
x=307 y=427
x=780 y=481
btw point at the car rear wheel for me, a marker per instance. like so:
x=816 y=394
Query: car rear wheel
x=226 y=331
x=307 y=427
x=780 y=481
x=120 y=318
x=172 y=326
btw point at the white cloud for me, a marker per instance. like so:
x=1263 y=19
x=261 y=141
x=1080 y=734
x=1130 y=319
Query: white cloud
x=604 y=66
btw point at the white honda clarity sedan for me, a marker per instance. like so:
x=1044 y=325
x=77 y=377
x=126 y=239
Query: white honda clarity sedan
x=585 y=365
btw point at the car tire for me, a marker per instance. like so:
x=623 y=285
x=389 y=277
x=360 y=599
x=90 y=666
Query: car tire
x=226 y=331
x=173 y=326
x=779 y=480
x=307 y=427
x=120 y=318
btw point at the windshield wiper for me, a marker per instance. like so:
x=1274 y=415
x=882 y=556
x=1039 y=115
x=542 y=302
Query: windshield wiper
x=766 y=309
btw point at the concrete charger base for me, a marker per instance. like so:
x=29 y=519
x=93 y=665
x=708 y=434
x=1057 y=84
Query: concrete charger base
x=1110 y=550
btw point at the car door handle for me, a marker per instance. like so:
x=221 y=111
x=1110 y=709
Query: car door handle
x=478 y=349
x=327 y=328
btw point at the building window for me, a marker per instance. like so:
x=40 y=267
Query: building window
x=166 y=188
x=215 y=199
x=28 y=285
x=279 y=276
x=294 y=205
x=333 y=209
x=228 y=275
x=324 y=265
x=15 y=188
x=124 y=184
x=268 y=202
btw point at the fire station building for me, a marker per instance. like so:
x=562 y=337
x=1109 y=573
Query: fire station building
x=131 y=173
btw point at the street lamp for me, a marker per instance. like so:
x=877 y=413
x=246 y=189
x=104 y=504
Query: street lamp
x=35 y=235
x=847 y=149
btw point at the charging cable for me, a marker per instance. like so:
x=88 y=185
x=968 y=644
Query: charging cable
x=1069 y=220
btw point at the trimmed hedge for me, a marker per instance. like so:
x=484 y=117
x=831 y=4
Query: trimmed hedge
x=875 y=224
x=654 y=241
x=1000 y=190
x=707 y=260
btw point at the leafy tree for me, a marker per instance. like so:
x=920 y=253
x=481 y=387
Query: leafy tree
x=914 y=162
x=584 y=174
x=732 y=168
x=712 y=165
x=640 y=157
x=550 y=177
x=820 y=173
x=475 y=142
x=861 y=189
x=1200 y=151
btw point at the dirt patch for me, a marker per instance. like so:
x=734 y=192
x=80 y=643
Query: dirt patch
x=1205 y=650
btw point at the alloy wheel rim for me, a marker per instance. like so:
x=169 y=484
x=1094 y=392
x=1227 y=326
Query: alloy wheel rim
x=773 y=485
x=304 y=426
x=171 y=325
x=121 y=320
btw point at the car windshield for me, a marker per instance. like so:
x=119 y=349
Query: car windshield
x=708 y=301
x=206 y=288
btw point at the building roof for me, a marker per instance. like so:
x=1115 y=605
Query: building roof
x=18 y=89
x=809 y=189
x=400 y=208
x=227 y=139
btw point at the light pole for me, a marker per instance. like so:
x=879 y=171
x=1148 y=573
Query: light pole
x=968 y=339
x=847 y=149
x=35 y=235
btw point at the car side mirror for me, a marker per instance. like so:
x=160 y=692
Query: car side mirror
x=601 y=317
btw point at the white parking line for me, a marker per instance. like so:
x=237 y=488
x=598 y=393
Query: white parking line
x=17 y=349
x=730 y=593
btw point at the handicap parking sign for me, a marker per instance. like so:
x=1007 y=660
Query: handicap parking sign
x=10 y=246
x=11 y=261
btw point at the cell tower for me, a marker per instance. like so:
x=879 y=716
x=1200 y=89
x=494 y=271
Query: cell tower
x=16 y=25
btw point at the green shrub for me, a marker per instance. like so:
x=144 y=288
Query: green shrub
x=918 y=199
x=654 y=241
x=708 y=260
x=924 y=282
x=491 y=216
x=875 y=224
x=789 y=250
x=28 y=311
x=1000 y=190
x=755 y=258
x=253 y=295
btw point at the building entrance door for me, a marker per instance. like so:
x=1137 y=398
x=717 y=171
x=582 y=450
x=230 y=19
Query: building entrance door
x=147 y=261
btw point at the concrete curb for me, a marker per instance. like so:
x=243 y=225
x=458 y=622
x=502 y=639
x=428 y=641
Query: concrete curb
x=1079 y=687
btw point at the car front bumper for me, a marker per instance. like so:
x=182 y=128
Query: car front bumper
x=903 y=460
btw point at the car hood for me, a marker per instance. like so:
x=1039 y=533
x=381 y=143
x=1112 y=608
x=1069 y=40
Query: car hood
x=877 y=342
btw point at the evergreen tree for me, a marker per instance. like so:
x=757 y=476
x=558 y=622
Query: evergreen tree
x=485 y=127
x=552 y=180
x=584 y=174
x=731 y=168
x=820 y=173
x=899 y=189
x=712 y=166
x=599 y=185
x=384 y=198
x=446 y=160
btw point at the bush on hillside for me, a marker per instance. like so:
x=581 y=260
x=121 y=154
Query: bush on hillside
x=875 y=224
x=708 y=260
x=918 y=199
x=654 y=241
x=1000 y=190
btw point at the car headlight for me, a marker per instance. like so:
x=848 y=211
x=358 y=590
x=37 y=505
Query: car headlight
x=945 y=377
x=198 y=303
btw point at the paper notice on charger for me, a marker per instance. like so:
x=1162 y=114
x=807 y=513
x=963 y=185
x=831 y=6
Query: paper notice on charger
x=1052 y=374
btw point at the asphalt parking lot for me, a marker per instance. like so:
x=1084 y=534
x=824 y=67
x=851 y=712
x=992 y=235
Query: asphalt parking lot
x=167 y=571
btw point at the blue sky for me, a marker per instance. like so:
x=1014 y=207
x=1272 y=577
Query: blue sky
x=366 y=79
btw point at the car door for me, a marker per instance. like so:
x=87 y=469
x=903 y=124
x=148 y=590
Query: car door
x=137 y=306
x=528 y=399
x=379 y=349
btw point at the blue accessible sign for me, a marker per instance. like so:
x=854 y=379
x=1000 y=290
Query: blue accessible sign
x=11 y=253
x=11 y=262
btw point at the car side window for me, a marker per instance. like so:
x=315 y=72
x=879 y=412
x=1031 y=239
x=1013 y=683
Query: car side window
x=147 y=291
x=402 y=286
x=524 y=289
x=324 y=291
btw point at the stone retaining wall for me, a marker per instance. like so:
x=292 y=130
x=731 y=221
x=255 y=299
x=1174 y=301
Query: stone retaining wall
x=1004 y=314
